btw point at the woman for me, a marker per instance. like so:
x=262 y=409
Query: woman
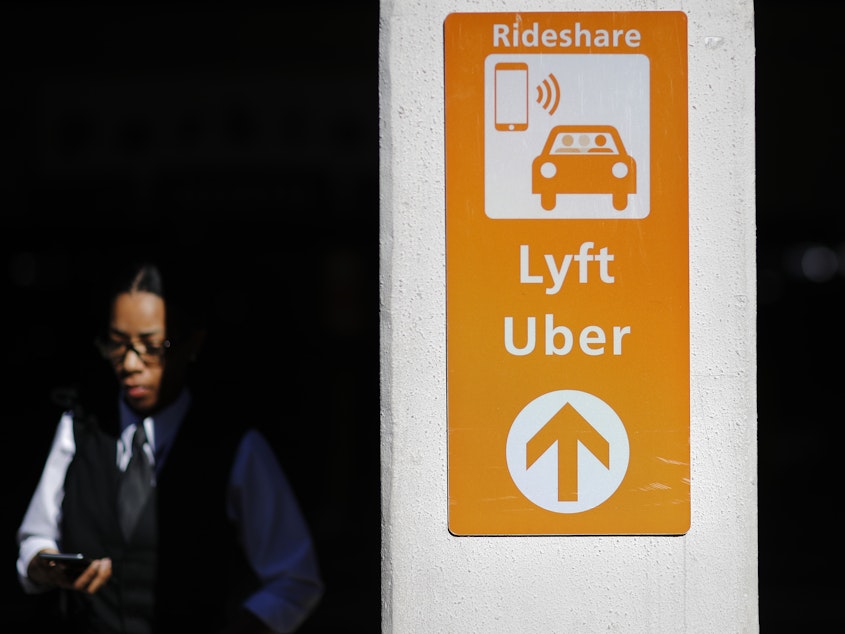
x=217 y=542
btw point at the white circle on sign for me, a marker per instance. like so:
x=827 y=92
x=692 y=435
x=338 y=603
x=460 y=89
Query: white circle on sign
x=619 y=170
x=567 y=451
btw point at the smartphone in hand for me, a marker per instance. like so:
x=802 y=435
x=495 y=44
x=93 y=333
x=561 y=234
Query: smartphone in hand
x=72 y=563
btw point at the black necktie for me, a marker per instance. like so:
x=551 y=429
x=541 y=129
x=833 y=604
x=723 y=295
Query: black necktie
x=136 y=483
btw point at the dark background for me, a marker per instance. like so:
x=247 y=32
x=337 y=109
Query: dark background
x=244 y=137
x=801 y=273
x=241 y=141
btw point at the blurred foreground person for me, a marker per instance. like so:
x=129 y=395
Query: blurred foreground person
x=177 y=504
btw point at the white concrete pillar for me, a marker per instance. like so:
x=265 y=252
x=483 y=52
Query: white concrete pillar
x=701 y=578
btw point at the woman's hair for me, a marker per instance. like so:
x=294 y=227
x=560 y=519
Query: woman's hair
x=185 y=303
x=139 y=277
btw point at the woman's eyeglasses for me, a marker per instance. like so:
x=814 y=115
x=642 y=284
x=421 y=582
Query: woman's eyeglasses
x=115 y=350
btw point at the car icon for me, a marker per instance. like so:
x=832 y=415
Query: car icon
x=584 y=159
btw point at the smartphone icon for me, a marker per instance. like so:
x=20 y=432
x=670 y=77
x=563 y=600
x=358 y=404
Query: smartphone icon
x=511 y=96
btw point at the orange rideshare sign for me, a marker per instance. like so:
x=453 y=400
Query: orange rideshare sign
x=567 y=250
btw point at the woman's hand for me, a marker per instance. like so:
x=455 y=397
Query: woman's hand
x=51 y=573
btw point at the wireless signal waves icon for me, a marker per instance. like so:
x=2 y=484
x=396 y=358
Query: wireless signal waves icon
x=548 y=94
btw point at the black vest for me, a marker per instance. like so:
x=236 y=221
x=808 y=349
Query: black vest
x=182 y=570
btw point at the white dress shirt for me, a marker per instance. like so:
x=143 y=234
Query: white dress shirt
x=260 y=501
